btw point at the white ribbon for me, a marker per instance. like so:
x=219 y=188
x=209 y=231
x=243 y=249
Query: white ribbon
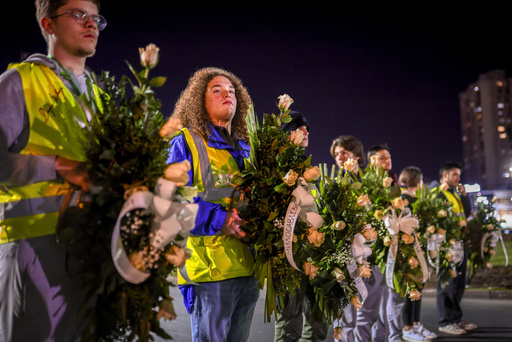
x=358 y=248
x=359 y=252
x=457 y=252
x=495 y=236
x=434 y=244
x=171 y=218
x=302 y=205
x=405 y=223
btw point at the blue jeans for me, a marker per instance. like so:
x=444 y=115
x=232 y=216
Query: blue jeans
x=223 y=310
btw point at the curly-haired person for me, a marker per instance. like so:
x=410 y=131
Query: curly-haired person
x=217 y=282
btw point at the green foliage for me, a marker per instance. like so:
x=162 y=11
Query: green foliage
x=483 y=234
x=267 y=199
x=123 y=150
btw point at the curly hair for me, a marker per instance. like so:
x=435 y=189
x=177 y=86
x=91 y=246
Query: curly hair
x=191 y=110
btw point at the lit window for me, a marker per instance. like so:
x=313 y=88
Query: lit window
x=476 y=88
x=501 y=128
x=499 y=83
x=501 y=105
x=503 y=135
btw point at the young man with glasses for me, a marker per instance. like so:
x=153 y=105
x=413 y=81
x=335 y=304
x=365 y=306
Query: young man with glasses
x=42 y=160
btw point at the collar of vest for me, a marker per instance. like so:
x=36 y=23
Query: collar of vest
x=216 y=141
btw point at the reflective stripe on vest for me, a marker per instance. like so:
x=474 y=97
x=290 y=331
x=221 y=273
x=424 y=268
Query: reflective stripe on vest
x=217 y=257
x=56 y=121
x=210 y=193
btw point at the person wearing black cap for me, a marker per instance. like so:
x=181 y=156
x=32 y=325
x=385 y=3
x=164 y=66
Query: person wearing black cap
x=300 y=123
x=294 y=321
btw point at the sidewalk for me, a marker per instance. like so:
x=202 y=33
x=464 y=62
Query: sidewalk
x=491 y=310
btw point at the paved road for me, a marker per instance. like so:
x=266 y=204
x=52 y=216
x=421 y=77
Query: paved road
x=493 y=315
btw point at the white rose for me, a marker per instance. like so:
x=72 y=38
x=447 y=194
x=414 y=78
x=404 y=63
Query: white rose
x=285 y=101
x=149 y=56
x=351 y=165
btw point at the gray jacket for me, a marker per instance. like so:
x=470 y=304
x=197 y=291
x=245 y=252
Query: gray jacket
x=18 y=169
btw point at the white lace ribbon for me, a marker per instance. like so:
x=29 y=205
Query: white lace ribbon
x=302 y=205
x=434 y=244
x=494 y=236
x=359 y=252
x=405 y=223
x=171 y=218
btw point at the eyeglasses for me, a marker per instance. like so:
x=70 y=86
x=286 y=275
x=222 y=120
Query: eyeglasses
x=82 y=17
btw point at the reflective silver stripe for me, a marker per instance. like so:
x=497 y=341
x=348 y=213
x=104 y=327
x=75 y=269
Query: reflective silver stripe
x=33 y=206
x=211 y=193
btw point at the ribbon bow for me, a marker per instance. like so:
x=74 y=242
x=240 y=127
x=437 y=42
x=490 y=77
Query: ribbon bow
x=171 y=218
x=405 y=222
x=358 y=248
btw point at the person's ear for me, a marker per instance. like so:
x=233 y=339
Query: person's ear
x=46 y=24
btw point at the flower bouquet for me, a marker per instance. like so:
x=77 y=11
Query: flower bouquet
x=340 y=260
x=279 y=207
x=396 y=250
x=129 y=238
x=440 y=232
x=483 y=235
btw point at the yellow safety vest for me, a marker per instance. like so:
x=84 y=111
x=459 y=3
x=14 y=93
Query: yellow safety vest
x=54 y=114
x=456 y=202
x=220 y=256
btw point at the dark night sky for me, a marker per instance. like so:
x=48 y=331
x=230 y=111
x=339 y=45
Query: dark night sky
x=385 y=75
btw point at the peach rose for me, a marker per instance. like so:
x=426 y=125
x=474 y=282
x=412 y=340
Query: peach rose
x=351 y=165
x=387 y=182
x=296 y=137
x=310 y=270
x=312 y=173
x=407 y=238
x=398 y=203
x=431 y=229
x=370 y=234
x=413 y=262
x=364 y=271
x=442 y=213
x=363 y=201
x=453 y=273
x=315 y=237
